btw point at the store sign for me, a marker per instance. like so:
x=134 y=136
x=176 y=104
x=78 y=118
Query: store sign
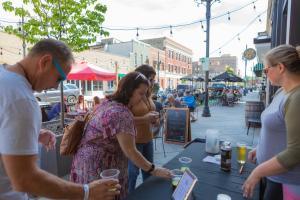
x=249 y=54
x=205 y=63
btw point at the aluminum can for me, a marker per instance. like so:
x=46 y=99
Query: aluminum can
x=226 y=157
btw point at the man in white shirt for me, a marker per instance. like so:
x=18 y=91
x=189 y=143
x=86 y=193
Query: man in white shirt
x=47 y=64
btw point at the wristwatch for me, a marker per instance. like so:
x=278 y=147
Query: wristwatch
x=151 y=169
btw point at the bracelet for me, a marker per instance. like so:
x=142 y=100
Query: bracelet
x=151 y=169
x=86 y=191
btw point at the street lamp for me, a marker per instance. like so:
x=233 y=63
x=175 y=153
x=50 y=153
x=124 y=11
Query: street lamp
x=206 y=112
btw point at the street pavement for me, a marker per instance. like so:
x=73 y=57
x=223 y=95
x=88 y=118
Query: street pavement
x=229 y=121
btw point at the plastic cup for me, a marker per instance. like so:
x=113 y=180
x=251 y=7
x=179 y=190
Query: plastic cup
x=241 y=153
x=176 y=176
x=185 y=162
x=110 y=174
x=223 y=197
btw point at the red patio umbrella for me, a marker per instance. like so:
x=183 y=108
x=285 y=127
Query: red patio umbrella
x=85 y=71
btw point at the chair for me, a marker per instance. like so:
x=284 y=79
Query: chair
x=159 y=133
x=253 y=122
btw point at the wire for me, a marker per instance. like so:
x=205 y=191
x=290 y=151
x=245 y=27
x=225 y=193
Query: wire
x=238 y=34
x=145 y=28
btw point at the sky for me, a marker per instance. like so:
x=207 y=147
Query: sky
x=147 y=13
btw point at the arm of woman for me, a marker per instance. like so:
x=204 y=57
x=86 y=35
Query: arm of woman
x=127 y=143
x=150 y=117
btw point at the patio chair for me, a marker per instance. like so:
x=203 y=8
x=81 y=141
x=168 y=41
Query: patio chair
x=158 y=132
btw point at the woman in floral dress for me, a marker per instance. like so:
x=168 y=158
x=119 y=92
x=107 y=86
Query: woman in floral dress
x=109 y=138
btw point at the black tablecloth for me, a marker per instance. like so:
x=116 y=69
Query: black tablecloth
x=211 y=179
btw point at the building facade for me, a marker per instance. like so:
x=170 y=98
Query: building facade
x=217 y=65
x=137 y=51
x=177 y=62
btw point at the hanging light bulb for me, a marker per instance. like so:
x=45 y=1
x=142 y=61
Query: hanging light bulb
x=259 y=19
x=202 y=25
x=254 y=7
x=229 y=17
x=220 y=52
x=137 y=32
x=239 y=39
x=171 y=32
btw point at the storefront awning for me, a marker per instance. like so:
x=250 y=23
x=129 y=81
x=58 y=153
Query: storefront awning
x=258 y=68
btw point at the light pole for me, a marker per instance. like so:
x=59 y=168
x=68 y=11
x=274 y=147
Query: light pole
x=206 y=112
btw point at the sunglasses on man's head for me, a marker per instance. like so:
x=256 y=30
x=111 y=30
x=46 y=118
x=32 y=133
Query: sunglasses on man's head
x=62 y=75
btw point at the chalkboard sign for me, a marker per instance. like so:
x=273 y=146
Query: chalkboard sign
x=177 y=125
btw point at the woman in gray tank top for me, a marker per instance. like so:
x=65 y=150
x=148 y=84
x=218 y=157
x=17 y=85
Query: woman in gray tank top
x=278 y=151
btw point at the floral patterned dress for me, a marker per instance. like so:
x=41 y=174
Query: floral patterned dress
x=99 y=148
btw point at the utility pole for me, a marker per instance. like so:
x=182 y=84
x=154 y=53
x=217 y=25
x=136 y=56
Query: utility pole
x=23 y=37
x=158 y=68
x=62 y=101
x=206 y=112
x=245 y=83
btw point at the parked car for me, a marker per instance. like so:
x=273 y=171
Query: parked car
x=71 y=92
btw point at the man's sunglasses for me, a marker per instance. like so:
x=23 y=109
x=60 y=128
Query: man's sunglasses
x=61 y=72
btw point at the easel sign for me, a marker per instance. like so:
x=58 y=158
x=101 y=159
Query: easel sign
x=185 y=186
x=177 y=125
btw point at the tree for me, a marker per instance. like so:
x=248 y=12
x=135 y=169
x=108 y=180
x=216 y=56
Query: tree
x=229 y=69
x=76 y=22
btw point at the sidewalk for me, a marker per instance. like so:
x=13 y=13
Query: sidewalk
x=229 y=121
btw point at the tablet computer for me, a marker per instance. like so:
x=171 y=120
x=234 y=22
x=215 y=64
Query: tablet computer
x=185 y=186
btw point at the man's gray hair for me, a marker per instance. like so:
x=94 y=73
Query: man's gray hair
x=56 y=48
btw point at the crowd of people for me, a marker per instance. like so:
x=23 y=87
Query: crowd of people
x=120 y=131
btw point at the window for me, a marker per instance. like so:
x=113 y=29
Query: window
x=135 y=58
x=89 y=85
x=169 y=53
x=110 y=84
x=97 y=85
x=176 y=56
x=169 y=67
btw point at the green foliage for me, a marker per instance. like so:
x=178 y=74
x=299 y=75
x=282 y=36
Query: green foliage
x=76 y=22
x=229 y=69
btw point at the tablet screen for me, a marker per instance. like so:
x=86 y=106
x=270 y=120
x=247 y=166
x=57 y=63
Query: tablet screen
x=185 y=186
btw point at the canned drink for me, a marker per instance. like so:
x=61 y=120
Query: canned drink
x=226 y=157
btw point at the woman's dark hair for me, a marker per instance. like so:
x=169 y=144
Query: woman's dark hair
x=126 y=87
x=147 y=70
x=79 y=98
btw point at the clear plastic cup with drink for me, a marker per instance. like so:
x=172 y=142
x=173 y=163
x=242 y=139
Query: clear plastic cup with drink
x=110 y=174
x=176 y=176
x=185 y=162
x=241 y=152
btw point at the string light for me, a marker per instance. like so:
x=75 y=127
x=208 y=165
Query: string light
x=228 y=16
x=202 y=25
x=259 y=19
x=137 y=32
x=254 y=7
x=239 y=39
x=166 y=26
x=237 y=35
x=171 y=32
